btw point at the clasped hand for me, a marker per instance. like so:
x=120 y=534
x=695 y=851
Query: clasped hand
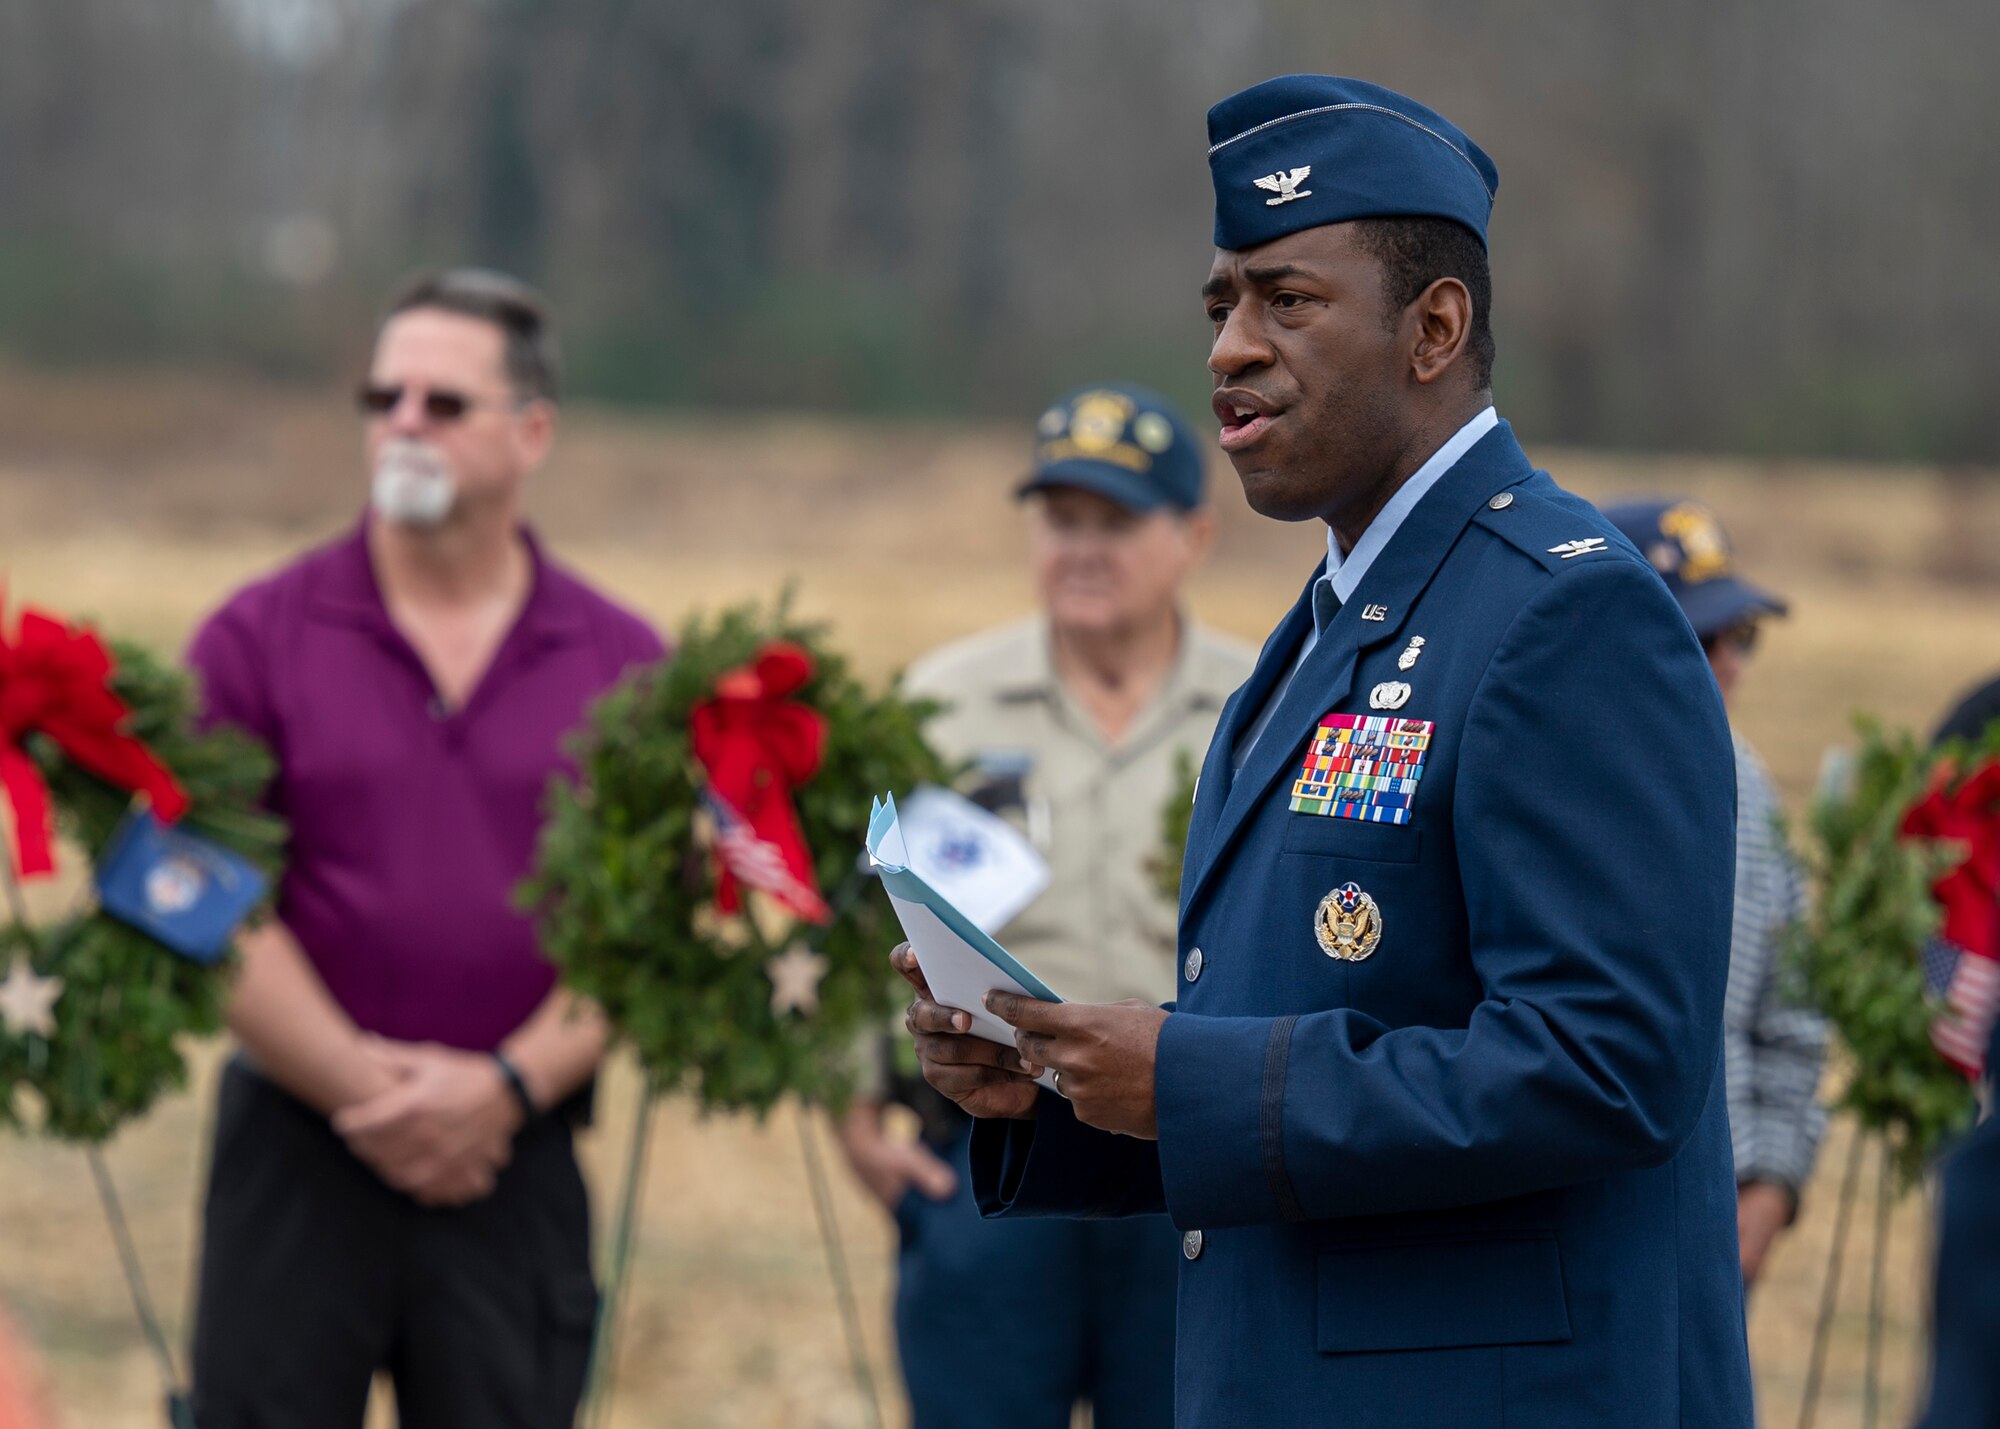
x=442 y=1130
x=1103 y=1052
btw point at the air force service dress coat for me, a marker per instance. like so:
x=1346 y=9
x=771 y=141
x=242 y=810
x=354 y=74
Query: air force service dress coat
x=1481 y=1175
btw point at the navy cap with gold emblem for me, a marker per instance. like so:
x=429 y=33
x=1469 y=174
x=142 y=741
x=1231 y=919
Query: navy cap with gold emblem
x=1688 y=547
x=1121 y=442
x=1311 y=149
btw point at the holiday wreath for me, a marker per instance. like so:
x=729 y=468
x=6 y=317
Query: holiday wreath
x=702 y=882
x=1904 y=851
x=92 y=1010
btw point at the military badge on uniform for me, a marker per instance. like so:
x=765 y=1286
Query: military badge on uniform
x=1389 y=695
x=1285 y=184
x=1584 y=546
x=1363 y=767
x=1410 y=652
x=1348 y=924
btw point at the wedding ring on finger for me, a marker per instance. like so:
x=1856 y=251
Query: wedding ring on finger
x=1057 y=1083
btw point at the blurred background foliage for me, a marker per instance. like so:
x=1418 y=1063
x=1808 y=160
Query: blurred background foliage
x=1724 y=227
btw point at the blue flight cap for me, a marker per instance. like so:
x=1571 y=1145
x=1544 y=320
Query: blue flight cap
x=1688 y=547
x=1309 y=149
x=1122 y=442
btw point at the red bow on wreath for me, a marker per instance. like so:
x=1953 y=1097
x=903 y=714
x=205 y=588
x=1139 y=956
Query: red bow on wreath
x=56 y=681
x=1969 y=894
x=758 y=745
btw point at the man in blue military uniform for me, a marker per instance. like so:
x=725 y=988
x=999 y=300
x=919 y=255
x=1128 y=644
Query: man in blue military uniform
x=1439 y=1109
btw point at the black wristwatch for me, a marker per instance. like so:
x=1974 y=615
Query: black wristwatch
x=516 y=1084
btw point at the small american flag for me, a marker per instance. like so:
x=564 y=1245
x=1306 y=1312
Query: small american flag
x=1964 y=813
x=1971 y=1003
x=759 y=863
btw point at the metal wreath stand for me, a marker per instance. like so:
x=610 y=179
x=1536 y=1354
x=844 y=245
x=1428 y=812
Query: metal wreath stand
x=600 y=1379
x=1886 y=1201
x=180 y=1408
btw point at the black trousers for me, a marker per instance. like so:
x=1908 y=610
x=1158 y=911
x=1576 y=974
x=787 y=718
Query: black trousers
x=314 y=1275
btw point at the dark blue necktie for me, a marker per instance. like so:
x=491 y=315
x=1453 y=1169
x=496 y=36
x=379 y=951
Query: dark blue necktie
x=1326 y=605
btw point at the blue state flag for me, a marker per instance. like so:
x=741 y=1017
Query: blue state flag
x=176 y=887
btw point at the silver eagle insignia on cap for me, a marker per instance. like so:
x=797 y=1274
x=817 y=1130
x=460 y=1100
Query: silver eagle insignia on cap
x=1285 y=184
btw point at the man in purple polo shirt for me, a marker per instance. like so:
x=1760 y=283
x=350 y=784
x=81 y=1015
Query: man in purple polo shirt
x=394 y=1186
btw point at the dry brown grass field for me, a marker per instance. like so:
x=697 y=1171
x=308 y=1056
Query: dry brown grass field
x=141 y=502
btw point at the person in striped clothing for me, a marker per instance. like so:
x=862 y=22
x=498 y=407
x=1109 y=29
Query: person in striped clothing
x=1774 y=1045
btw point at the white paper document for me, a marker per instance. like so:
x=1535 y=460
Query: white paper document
x=959 y=959
x=981 y=864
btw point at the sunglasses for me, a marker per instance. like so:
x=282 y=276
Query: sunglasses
x=439 y=404
x=1743 y=635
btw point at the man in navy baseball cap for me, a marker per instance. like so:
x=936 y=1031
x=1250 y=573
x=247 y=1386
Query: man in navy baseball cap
x=1122 y=442
x=1692 y=552
x=1072 y=723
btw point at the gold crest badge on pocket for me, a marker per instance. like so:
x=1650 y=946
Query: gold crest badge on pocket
x=1348 y=924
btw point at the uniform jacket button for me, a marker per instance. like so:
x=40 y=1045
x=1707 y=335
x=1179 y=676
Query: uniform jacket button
x=1191 y=1244
x=1192 y=966
x=1502 y=501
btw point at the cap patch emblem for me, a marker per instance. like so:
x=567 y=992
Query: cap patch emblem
x=1701 y=538
x=1153 y=432
x=1099 y=421
x=1285 y=184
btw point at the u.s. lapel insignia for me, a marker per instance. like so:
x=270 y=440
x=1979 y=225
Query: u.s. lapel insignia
x=1375 y=612
x=1389 y=695
x=1348 y=924
x=1410 y=653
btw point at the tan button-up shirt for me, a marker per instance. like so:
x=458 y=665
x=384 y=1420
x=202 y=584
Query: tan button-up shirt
x=1101 y=931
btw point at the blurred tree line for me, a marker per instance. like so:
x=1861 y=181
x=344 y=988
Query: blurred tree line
x=1761 y=227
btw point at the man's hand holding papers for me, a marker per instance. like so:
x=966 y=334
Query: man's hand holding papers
x=986 y=1079
x=1102 y=1055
